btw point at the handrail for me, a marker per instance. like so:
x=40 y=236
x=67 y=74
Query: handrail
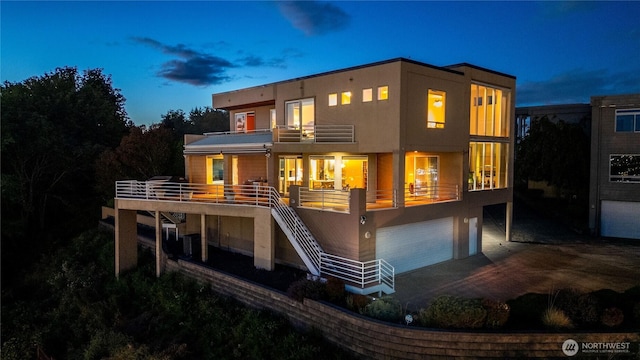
x=328 y=200
x=353 y=272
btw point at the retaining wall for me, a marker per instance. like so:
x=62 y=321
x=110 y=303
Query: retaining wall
x=373 y=339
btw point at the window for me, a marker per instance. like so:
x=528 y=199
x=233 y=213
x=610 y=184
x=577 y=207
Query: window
x=322 y=172
x=436 y=109
x=487 y=165
x=367 y=95
x=383 y=92
x=215 y=169
x=333 y=99
x=300 y=113
x=354 y=172
x=489 y=111
x=628 y=120
x=624 y=168
x=272 y=116
x=346 y=98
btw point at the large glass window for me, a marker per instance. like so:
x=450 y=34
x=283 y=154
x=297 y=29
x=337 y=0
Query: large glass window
x=628 y=120
x=489 y=111
x=624 y=168
x=354 y=172
x=290 y=173
x=300 y=113
x=487 y=165
x=436 y=109
x=215 y=169
x=322 y=172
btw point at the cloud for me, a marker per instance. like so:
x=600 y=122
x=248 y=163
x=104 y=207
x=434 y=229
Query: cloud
x=577 y=86
x=314 y=17
x=193 y=67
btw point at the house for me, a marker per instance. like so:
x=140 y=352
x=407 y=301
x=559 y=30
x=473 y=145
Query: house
x=361 y=173
x=614 y=198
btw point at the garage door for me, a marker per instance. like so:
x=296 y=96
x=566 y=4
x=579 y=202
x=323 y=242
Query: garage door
x=412 y=246
x=620 y=219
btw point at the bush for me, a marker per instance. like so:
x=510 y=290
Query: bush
x=612 y=317
x=453 y=312
x=357 y=302
x=303 y=288
x=581 y=308
x=497 y=313
x=386 y=308
x=335 y=290
x=527 y=311
x=556 y=319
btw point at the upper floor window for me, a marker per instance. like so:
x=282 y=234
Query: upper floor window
x=333 y=99
x=367 y=95
x=346 y=98
x=300 y=113
x=628 y=120
x=436 y=109
x=489 y=111
x=383 y=92
x=488 y=165
x=624 y=168
x=272 y=116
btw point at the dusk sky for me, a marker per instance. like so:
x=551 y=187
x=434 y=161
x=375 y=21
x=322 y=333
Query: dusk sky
x=173 y=55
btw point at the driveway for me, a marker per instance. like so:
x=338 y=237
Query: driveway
x=554 y=259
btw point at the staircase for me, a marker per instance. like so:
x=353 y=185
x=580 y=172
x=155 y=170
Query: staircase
x=361 y=277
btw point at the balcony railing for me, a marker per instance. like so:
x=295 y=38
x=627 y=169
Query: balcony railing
x=315 y=134
x=420 y=195
x=328 y=200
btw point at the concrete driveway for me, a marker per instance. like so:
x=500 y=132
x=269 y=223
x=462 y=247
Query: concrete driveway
x=506 y=270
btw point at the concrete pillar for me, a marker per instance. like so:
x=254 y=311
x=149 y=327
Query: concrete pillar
x=264 y=249
x=159 y=252
x=508 y=220
x=203 y=238
x=126 y=233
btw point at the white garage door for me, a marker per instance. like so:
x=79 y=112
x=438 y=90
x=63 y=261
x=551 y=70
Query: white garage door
x=413 y=246
x=620 y=219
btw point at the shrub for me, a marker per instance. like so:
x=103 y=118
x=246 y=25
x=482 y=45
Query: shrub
x=612 y=317
x=335 y=290
x=453 y=312
x=556 y=318
x=527 y=311
x=385 y=308
x=304 y=288
x=581 y=308
x=357 y=302
x=497 y=313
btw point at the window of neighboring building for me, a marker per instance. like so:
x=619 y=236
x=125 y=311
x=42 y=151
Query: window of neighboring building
x=300 y=113
x=487 y=165
x=245 y=122
x=215 y=169
x=367 y=95
x=322 y=172
x=383 y=92
x=436 y=109
x=628 y=120
x=489 y=115
x=624 y=168
x=346 y=98
x=333 y=99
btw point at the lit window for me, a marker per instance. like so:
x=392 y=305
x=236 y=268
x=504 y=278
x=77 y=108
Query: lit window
x=628 y=120
x=383 y=92
x=215 y=169
x=624 y=168
x=436 y=109
x=346 y=98
x=487 y=165
x=322 y=171
x=489 y=111
x=367 y=95
x=300 y=113
x=272 y=113
x=333 y=99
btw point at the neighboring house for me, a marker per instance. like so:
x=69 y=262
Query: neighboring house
x=361 y=173
x=614 y=198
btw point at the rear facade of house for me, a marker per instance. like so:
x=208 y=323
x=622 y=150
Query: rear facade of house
x=360 y=173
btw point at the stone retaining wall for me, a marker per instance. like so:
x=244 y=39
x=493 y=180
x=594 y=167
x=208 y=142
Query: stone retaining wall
x=373 y=339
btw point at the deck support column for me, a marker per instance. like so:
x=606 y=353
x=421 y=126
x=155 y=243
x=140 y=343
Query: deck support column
x=508 y=220
x=264 y=248
x=126 y=234
x=203 y=238
x=159 y=252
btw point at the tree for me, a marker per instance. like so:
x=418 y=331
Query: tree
x=53 y=127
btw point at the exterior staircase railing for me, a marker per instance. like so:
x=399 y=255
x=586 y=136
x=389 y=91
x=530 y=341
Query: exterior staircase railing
x=362 y=277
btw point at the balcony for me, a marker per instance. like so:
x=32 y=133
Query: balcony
x=314 y=134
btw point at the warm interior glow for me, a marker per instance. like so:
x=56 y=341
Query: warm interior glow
x=383 y=93
x=367 y=95
x=346 y=97
x=436 y=109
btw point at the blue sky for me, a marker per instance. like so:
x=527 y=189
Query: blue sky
x=173 y=55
